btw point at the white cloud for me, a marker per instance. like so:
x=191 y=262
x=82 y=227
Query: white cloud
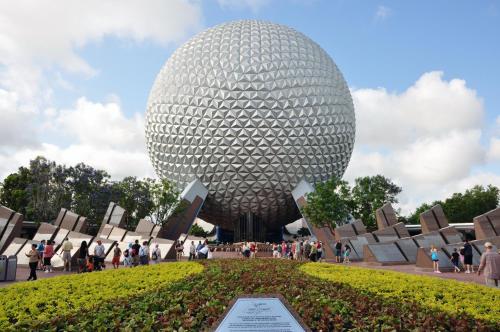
x=40 y=39
x=440 y=160
x=14 y=131
x=100 y=125
x=427 y=138
x=494 y=149
x=383 y=12
x=254 y=5
x=98 y=134
x=430 y=107
x=50 y=31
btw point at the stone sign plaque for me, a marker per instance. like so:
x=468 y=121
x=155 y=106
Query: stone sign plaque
x=252 y=313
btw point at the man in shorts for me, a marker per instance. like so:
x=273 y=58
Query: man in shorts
x=66 y=251
x=338 y=252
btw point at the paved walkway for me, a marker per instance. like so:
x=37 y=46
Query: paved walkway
x=464 y=277
x=23 y=273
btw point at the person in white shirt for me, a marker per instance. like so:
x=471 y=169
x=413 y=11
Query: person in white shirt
x=192 y=251
x=156 y=254
x=99 y=254
x=144 y=253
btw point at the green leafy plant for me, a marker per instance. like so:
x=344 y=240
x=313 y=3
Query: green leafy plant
x=329 y=204
x=34 y=304
x=449 y=296
x=325 y=302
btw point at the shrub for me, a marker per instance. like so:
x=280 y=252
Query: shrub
x=196 y=302
x=32 y=304
x=373 y=302
x=451 y=296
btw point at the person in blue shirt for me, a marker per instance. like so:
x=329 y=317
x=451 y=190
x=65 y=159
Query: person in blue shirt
x=198 y=248
x=435 y=259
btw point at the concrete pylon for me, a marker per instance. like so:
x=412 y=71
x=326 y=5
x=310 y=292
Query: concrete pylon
x=193 y=197
x=323 y=234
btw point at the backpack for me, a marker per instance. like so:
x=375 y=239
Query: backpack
x=154 y=256
x=462 y=251
x=125 y=253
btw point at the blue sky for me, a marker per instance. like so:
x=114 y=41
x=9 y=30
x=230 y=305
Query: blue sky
x=426 y=70
x=461 y=38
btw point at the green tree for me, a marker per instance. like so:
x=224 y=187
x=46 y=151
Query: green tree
x=463 y=207
x=61 y=193
x=14 y=194
x=92 y=191
x=134 y=195
x=39 y=206
x=414 y=218
x=473 y=202
x=165 y=199
x=369 y=193
x=330 y=203
x=198 y=231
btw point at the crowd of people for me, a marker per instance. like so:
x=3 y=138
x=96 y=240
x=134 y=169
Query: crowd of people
x=40 y=256
x=299 y=250
x=462 y=260
x=196 y=251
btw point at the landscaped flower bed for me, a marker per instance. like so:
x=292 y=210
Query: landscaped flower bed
x=443 y=295
x=381 y=301
x=31 y=305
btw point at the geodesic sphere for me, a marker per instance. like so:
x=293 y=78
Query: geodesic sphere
x=250 y=108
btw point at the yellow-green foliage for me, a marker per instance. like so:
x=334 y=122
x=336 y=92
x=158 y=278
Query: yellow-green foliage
x=45 y=299
x=480 y=302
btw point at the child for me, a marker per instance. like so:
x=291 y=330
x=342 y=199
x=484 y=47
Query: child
x=435 y=259
x=347 y=252
x=127 y=256
x=90 y=264
x=455 y=257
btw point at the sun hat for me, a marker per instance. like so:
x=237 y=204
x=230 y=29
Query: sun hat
x=488 y=245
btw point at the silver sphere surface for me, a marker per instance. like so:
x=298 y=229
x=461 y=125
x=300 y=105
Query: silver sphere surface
x=250 y=108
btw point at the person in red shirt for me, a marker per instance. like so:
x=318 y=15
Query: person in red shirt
x=48 y=252
x=252 y=250
x=283 y=249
